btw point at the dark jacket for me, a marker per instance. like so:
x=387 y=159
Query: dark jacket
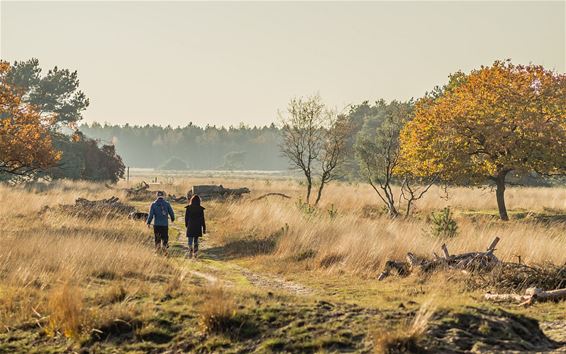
x=160 y=210
x=194 y=220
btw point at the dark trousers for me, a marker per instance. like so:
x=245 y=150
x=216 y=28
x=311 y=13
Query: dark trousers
x=193 y=241
x=161 y=236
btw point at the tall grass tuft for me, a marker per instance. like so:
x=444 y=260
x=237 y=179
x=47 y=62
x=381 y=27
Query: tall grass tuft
x=65 y=306
x=406 y=338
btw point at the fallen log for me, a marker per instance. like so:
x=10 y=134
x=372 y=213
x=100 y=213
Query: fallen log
x=271 y=194
x=181 y=199
x=531 y=296
x=210 y=192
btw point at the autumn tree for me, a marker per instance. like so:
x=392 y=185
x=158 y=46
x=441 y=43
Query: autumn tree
x=25 y=143
x=313 y=140
x=485 y=124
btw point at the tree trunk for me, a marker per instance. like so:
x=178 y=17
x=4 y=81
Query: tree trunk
x=319 y=194
x=393 y=213
x=309 y=187
x=500 y=194
x=408 y=210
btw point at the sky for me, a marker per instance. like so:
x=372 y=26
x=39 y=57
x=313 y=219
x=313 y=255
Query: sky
x=222 y=63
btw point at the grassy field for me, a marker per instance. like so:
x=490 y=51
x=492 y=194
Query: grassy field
x=274 y=275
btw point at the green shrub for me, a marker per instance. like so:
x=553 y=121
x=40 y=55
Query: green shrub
x=442 y=224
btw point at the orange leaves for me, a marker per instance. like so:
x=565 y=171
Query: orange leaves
x=497 y=118
x=25 y=141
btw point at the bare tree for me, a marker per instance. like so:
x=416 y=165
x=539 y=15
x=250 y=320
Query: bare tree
x=377 y=164
x=301 y=133
x=413 y=189
x=378 y=152
x=314 y=140
x=333 y=149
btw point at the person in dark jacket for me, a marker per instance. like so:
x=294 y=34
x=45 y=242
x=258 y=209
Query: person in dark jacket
x=160 y=210
x=194 y=221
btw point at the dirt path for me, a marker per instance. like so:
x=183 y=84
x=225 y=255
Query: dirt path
x=263 y=281
x=215 y=264
x=273 y=283
x=208 y=277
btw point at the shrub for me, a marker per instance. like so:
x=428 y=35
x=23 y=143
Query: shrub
x=442 y=224
x=332 y=211
x=306 y=208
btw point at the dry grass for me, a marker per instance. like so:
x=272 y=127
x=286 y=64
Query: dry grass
x=354 y=196
x=357 y=244
x=352 y=241
x=405 y=339
x=217 y=311
x=45 y=258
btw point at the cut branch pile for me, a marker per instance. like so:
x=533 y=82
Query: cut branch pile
x=111 y=207
x=516 y=277
x=491 y=273
x=472 y=261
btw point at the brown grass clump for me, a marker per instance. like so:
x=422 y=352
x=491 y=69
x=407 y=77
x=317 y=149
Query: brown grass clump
x=405 y=339
x=218 y=311
x=65 y=306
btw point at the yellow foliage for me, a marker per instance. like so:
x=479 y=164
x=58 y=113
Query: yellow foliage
x=495 y=119
x=25 y=142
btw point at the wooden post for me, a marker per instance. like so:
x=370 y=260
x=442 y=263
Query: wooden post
x=445 y=251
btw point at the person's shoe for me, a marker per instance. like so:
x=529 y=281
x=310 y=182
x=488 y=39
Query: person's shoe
x=195 y=255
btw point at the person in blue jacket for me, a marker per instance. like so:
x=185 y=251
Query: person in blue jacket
x=160 y=211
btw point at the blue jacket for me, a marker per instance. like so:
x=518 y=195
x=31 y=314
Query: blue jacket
x=160 y=210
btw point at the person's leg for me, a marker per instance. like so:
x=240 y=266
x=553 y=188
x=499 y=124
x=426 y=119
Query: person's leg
x=196 y=247
x=165 y=237
x=190 y=252
x=157 y=236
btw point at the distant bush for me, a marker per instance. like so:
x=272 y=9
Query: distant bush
x=174 y=163
x=86 y=159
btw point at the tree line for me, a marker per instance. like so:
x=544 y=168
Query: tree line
x=192 y=147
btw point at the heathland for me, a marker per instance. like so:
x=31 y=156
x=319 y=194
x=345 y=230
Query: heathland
x=274 y=274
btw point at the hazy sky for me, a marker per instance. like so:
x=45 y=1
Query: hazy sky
x=228 y=62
